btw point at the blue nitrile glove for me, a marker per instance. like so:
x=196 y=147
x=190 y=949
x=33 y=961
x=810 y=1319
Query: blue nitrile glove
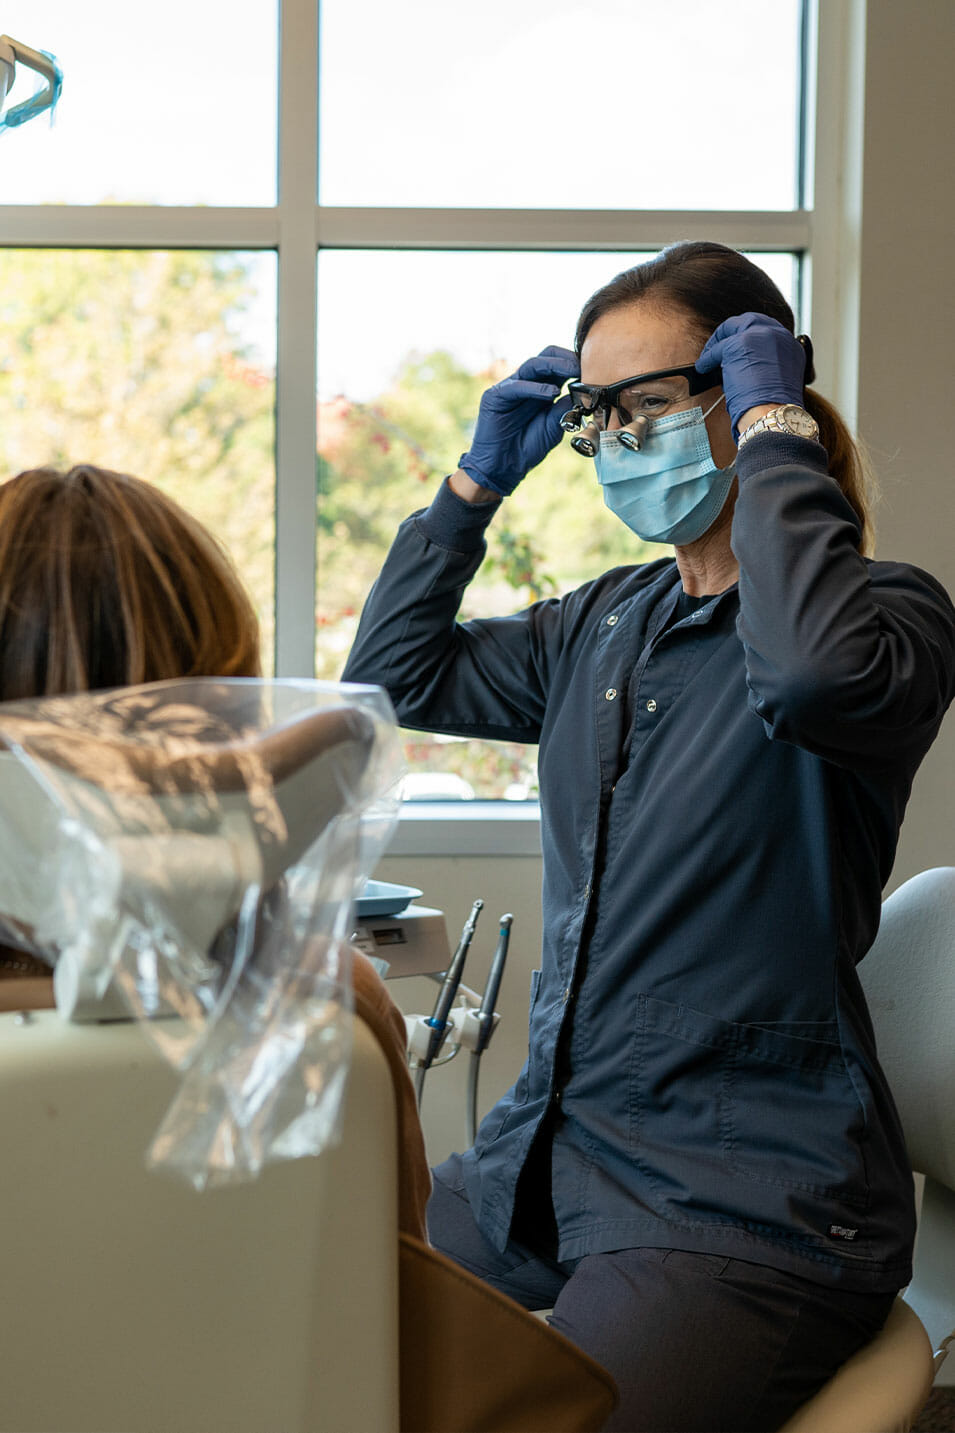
x=762 y=362
x=519 y=421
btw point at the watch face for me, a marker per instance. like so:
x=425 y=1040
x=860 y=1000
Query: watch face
x=796 y=420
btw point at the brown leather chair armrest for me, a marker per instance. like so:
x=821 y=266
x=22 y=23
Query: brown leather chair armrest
x=475 y=1361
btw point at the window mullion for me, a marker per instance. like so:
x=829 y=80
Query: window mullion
x=618 y=230
x=136 y=226
x=834 y=265
x=296 y=352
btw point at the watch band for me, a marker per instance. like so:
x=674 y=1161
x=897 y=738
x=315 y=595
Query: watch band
x=787 y=418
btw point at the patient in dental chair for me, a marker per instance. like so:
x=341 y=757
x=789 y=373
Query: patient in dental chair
x=107 y=582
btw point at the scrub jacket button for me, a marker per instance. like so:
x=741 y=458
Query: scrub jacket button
x=651 y=705
x=612 y=621
x=610 y=693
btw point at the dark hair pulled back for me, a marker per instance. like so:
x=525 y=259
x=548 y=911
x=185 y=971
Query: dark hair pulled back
x=711 y=283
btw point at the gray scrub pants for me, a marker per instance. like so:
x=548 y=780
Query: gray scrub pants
x=697 y=1343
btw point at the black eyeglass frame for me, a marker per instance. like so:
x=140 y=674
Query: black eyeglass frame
x=697 y=382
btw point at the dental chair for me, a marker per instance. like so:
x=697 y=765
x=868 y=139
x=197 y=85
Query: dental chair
x=909 y=981
x=133 y=1302
x=292 y=1301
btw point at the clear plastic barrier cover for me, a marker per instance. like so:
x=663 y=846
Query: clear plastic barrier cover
x=192 y=849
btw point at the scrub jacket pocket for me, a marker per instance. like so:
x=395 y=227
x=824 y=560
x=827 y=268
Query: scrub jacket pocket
x=745 y=1108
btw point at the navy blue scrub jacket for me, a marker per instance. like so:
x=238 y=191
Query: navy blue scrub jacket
x=721 y=800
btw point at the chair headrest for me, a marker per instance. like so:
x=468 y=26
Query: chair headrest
x=164 y=805
x=196 y=846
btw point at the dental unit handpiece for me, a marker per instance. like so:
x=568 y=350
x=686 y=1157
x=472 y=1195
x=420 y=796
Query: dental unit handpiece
x=486 y=1019
x=493 y=986
x=438 y=1021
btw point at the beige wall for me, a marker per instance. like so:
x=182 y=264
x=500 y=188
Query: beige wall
x=906 y=348
x=453 y=883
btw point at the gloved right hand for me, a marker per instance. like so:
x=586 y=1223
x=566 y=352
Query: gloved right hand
x=519 y=421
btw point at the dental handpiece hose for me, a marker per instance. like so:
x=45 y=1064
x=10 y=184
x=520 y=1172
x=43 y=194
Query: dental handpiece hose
x=486 y=1019
x=449 y=989
x=493 y=986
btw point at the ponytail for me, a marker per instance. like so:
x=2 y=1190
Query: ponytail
x=848 y=464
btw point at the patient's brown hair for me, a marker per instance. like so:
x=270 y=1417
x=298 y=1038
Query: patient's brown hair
x=106 y=582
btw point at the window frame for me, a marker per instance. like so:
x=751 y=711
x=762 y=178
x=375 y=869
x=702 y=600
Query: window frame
x=823 y=232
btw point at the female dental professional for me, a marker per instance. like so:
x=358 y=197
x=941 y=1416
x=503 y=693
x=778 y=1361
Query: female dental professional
x=700 y=1166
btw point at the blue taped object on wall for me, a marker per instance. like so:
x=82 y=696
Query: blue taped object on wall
x=13 y=53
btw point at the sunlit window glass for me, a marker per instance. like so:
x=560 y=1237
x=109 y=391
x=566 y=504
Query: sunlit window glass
x=172 y=104
x=615 y=104
x=155 y=363
x=397 y=404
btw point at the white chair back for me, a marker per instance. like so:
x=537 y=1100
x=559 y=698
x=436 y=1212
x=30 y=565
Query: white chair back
x=909 y=980
x=134 y=1303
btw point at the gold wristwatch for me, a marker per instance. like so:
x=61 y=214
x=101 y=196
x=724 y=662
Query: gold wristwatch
x=789 y=418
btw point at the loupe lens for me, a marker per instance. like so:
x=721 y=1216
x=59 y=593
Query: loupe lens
x=634 y=435
x=587 y=442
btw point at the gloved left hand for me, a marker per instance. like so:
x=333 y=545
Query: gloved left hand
x=519 y=421
x=762 y=362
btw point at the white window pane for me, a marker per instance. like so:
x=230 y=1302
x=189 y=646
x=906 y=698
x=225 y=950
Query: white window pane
x=398 y=395
x=620 y=104
x=173 y=104
x=159 y=364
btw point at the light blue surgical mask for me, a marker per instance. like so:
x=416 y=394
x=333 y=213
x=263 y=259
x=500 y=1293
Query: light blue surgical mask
x=670 y=490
